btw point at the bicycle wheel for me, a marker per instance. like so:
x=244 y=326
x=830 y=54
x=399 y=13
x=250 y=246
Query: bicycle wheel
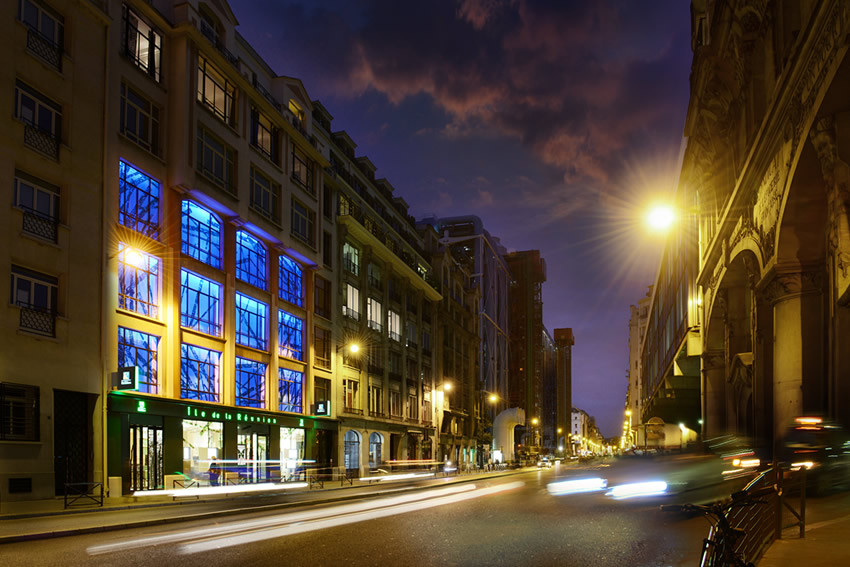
x=708 y=550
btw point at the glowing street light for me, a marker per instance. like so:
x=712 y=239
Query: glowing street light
x=660 y=217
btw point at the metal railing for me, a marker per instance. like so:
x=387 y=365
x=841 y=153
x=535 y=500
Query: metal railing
x=89 y=492
x=41 y=140
x=40 y=225
x=42 y=46
x=376 y=326
x=351 y=313
x=38 y=319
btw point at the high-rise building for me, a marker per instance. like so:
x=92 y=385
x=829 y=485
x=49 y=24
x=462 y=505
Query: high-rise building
x=563 y=392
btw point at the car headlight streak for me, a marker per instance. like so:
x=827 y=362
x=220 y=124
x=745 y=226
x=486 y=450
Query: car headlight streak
x=636 y=489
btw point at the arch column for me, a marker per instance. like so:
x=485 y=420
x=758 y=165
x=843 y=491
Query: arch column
x=713 y=393
x=798 y=362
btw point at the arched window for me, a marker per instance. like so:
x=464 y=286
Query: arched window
x=352 y=450
x=376 y=443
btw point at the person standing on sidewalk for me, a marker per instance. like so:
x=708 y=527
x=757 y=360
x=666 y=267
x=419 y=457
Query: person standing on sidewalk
x=215 y=472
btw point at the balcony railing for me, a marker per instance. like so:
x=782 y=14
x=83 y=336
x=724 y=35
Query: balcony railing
x=355 y=411
x=266 y=94
x=44 y=48
x=323 y=362
x=350 y=313
x=376 y=326
x=40 y=225
x=351 y=266
x=395 y=336
x=38 y=320
x=373 y=413
x=41 y=140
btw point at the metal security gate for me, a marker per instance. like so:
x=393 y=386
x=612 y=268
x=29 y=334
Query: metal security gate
x=145 y=457
x=71 y=438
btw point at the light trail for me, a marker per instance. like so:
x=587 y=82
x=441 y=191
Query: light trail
x=277 y=520
x=340 y=520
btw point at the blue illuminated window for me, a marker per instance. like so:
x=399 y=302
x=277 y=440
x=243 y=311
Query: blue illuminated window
x=201 y=234
x=200 y=299
x=290 y=278
x=138 y=200
x=251 y=322
x=139 y=350
x=290 y=330
x=138 y=281
x=250 y=383
x=198 y=373
x=289 y=387
x=250 y=260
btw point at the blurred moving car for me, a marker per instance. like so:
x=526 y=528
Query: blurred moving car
x=823 y=449
x=544 y=463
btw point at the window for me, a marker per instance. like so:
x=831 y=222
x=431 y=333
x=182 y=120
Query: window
x=290 y=332
x=351 y=394
x=216 y=92
x=412 y=404
x=289 y=386
x=19 y=412
x=250 y=260
x=198 y=373
x=322 y=299
x=141 y=43
x=138 y=200
x=375 y=314
x=321 y=389
x=327 y=202
x=302 y=170
x=322 y=348
x=35 y=294
x=265 y=196
x=250 y=383
x=40 y=202
x=352 y=302
x=139 y=119
x=45 y=36
x=351 y=258
x=290 y=281
x=297 y=112
x=394 y=325
x=200 y=303
x=201 y=234
x=327 y=249
x=264 y=135
x=374 y=275
x=412 y=338
x=395 y=399
x=426 y=341
x=138 y=281
x=303 y=223
x=42 y=117
x=251 y=322
x=140 y=350
x=216 y=160
x=376 y=399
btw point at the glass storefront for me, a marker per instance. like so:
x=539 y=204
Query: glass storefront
x=202 y=440
x=291 y=453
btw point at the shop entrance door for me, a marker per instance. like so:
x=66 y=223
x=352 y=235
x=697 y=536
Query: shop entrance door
x=253 y=454
x=145 y=457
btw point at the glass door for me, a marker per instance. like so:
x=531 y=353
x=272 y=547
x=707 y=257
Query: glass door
x=146 y=457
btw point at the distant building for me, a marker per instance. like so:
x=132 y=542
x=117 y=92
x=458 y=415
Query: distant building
x=564 y=341
x=549 y=402
x=638 y=318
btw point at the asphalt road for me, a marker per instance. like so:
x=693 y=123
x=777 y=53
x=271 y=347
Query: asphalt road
x=511 y=520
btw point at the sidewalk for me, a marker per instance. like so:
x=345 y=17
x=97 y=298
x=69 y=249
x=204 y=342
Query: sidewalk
x=41 y=519
x=827 y=541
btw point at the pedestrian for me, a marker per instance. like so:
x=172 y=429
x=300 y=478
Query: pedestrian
x=215 y=472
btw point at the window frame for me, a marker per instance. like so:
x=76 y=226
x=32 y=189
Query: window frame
x=290 y=386
x=249 y=260
x=321 y=347
x=41 y=191
x=351 y=258
x=212 y=393
x=145 y=349
x=287 y=330
x=40 y=104
x=303 y=223
x=265 y=195
x=302 y=170
x=322 y=298
x=290 y=280
x=252 y=322
x=144 y=116
x=138 y=206
x=209 y=77
x=262 y=124
x=146 y=301
x=210 y=145
x=150 y=64
x=242 y=397
x=20 y=400
x=213 y=323
x=205 y=232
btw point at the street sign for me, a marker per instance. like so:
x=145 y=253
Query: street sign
x=321 y=408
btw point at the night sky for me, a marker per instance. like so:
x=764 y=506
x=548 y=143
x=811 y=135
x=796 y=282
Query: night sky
x=555 y=122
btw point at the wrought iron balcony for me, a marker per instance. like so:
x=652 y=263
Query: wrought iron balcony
x=41 y=140
x=42 y=46
x=376 y=326
x=395 y=336
x=350 y=313
x=40 y=225
x=38 y=319
x=355 y=411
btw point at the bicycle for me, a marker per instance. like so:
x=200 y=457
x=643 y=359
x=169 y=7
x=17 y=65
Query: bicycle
x=719 y=548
